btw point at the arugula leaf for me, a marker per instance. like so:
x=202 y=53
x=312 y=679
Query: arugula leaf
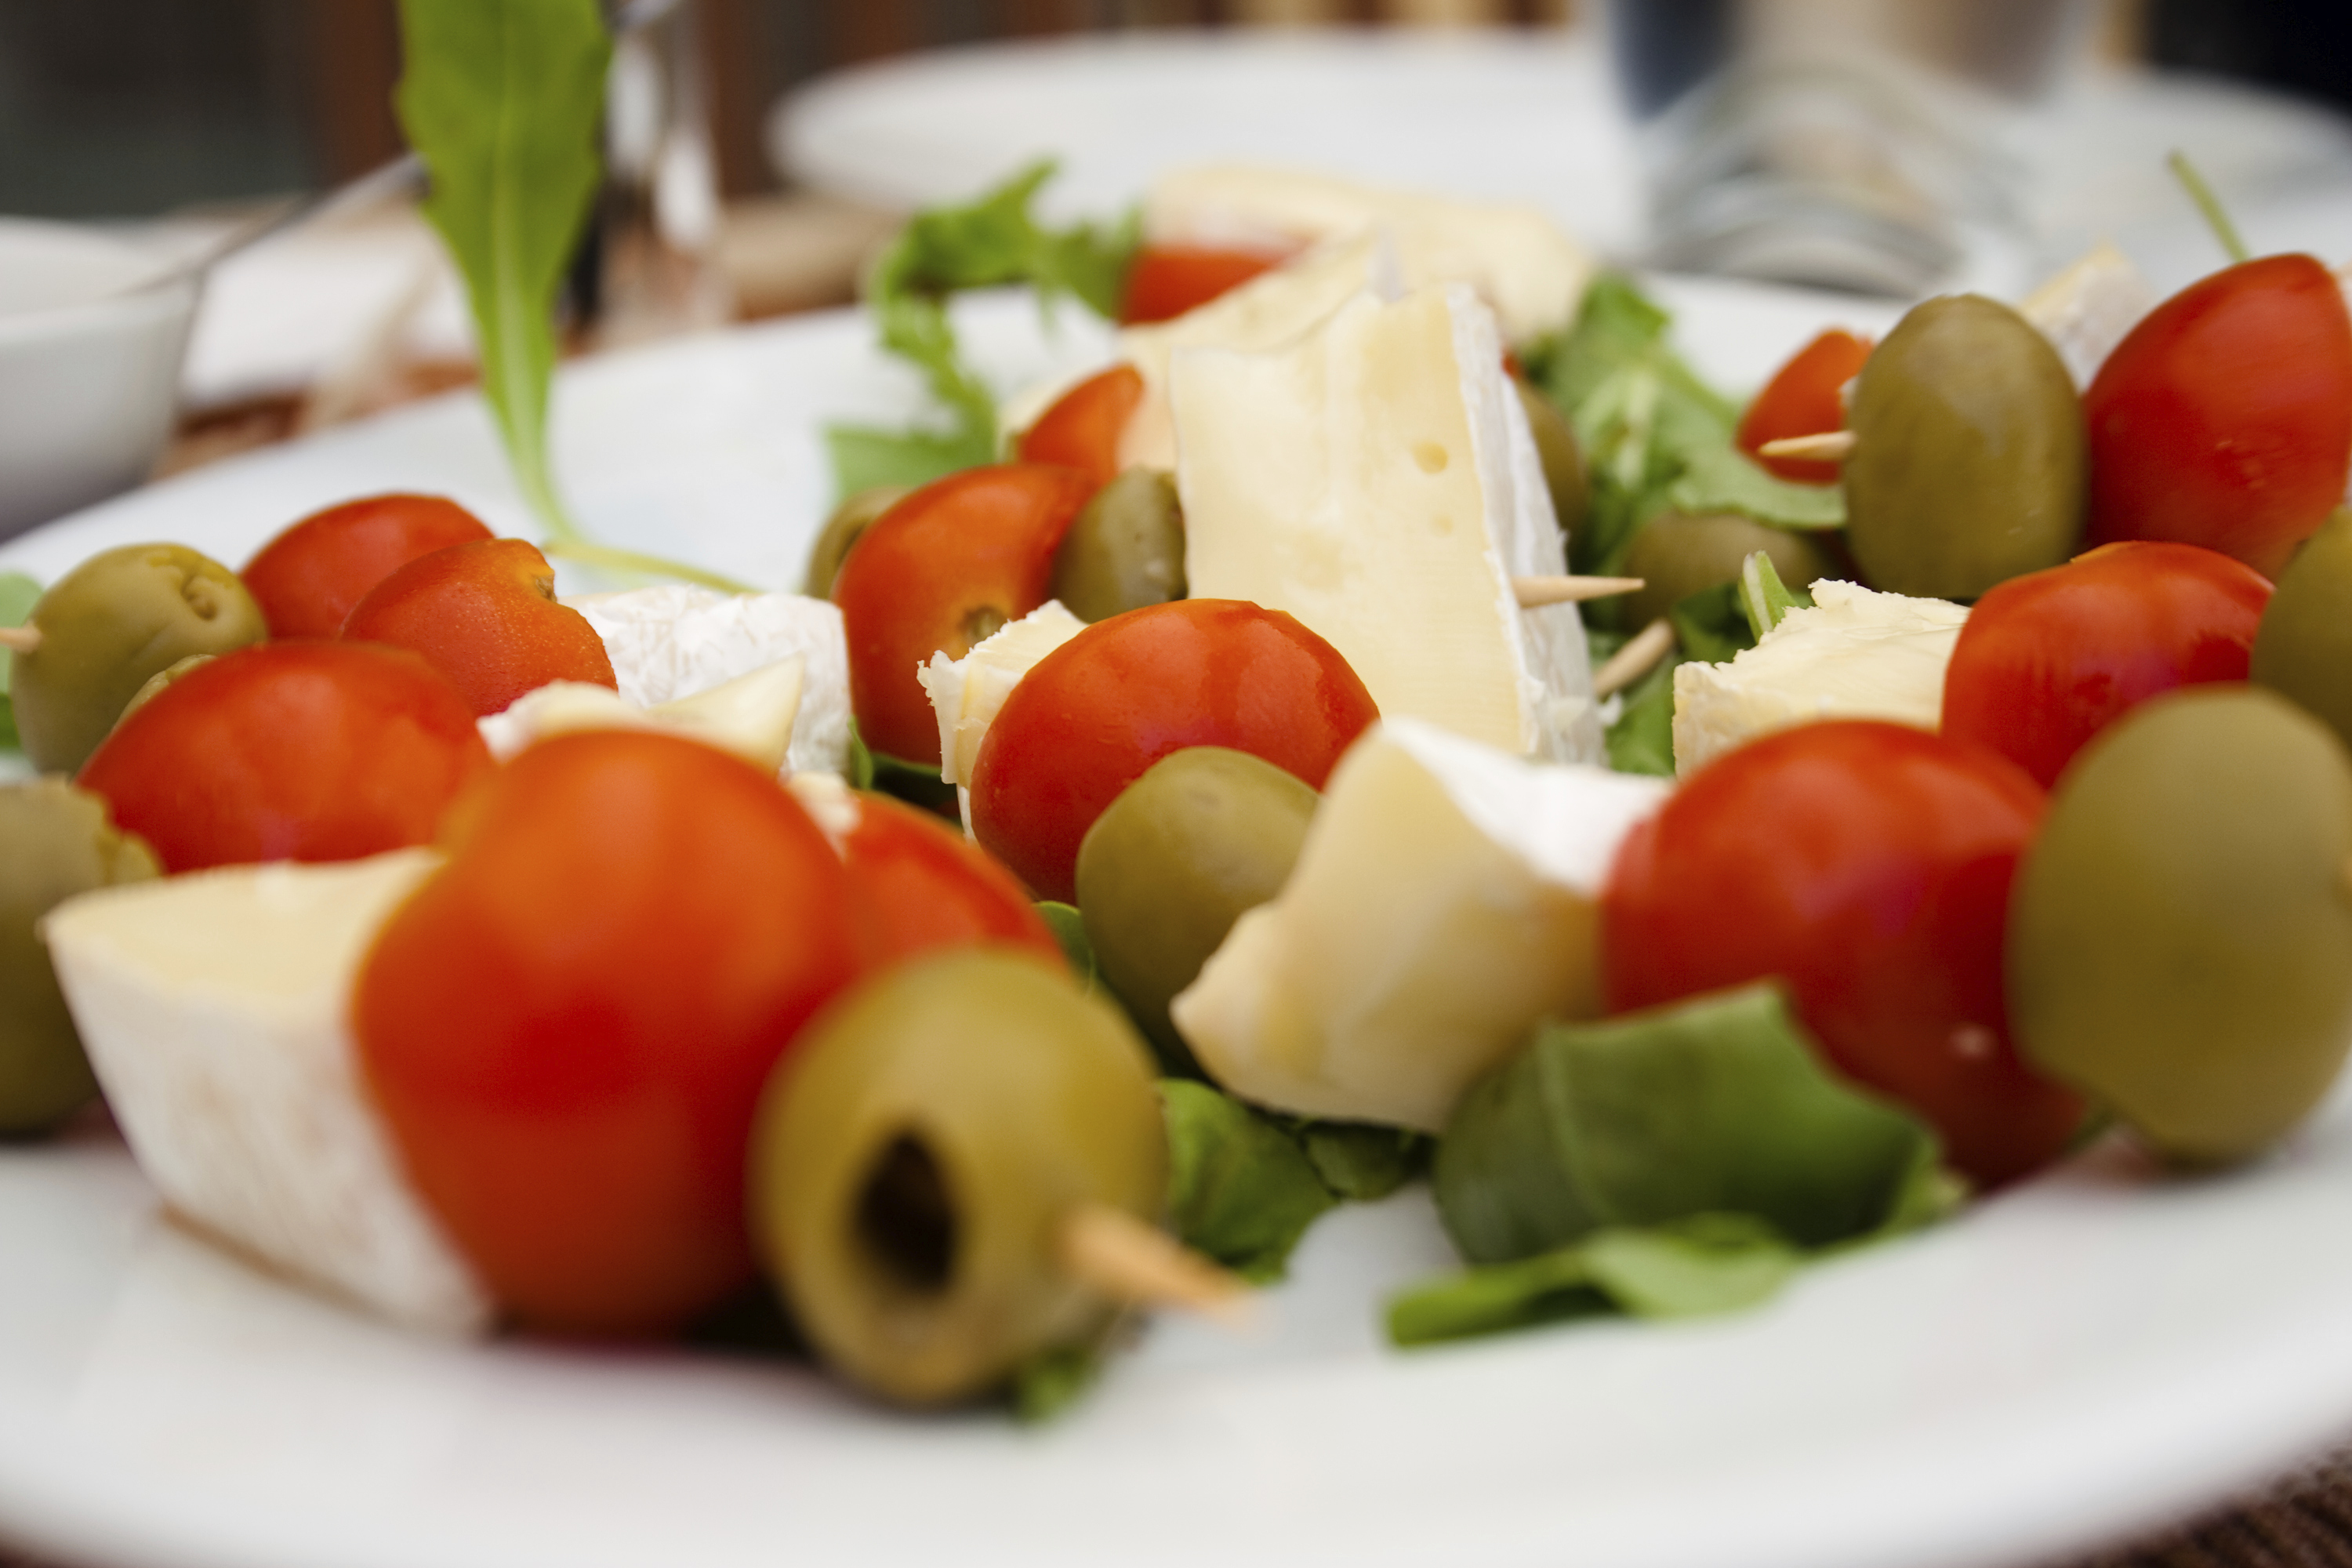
x=1051 y=1381
x=1240 y=1189
x=1725 y=479
x=1362 y=1163
x=19 y=595
x=860 y=773
x=990 y=242
x=1764 y=598
x=1711 y=625
x=502 y=99
x=1642 y=741
x=1069 y=929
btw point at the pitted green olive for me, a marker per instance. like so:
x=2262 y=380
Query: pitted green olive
x=1563 y=455
x=1677 y=554
x=842 y=532
x=1205 y=834
x=1969 y=464
x=918 y=1156
x=2303 y=649
x=1124 y=550
x=2181 y=936
x=117 y=619
x=54 y=842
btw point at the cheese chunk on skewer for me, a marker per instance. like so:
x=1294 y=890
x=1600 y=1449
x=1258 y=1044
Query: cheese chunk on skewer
x=751 y=715
x=1377 y=479
x=215 y=1010
x=1857 y=654
x=1447 y=900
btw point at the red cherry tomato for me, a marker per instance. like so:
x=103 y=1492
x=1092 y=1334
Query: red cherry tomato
x=307 y=578
x=1867 y=866
x=2225 y=419
x=923 y=884
x=1081 y=429
x=567 y=1027
x=2046 y=660
x=484 y=615
x=1166 y=280
x=291 y=750
x=1802 y=399
x=1091 y=716
x=938 y=573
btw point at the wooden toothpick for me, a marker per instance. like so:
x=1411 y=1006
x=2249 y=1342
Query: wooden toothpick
x=1829 y=447
x=1535 y=593
x=1131 y=1261
x=20 y=639
x=1635 y=659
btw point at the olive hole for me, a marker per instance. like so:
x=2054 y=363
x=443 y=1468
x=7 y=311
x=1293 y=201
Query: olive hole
x=981 y=624
x=906 y=1220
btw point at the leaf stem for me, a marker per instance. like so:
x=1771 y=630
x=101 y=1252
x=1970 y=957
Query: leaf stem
x=2207 y=204
x=615 y=559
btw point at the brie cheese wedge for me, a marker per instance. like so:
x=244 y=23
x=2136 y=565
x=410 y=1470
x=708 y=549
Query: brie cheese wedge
x=1857 y=654
x=677 y=639
x=751 y=715
x=1378 y=480
x=1445 y=901
x=215 y=1008
x=2089 y=308
x=967 y=692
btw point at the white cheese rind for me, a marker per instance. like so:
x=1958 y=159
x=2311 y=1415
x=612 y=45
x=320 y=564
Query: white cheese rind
x=215 y=1010
x=1531 y=274
x=1857 y=655
x=1376 y=479
x=678 y=640
x=1445 y=901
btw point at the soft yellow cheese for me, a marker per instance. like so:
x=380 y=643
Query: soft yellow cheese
x=751 y=715
x=1444 y=902
x=1856 y=655
x=966 y=692
x=1377 y=479
x=1531 y=274
x=216 y=1007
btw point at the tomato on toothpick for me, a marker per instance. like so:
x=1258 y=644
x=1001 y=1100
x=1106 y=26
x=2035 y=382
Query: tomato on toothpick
x=1867 y=866
x=568 y=1027
x=943 y=568
x=1081 y=430
x=2045 y=661
x=1166 y=280
x=1091 y=716
x=291 y=750
x=484 y=614
x=307 y=578
x=1802 y=399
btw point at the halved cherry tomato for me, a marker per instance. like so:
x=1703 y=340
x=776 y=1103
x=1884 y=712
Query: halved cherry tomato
x=1091 y=716
x=1802 y=399
x=307 y=578
x=567 y=1027
x=940 y=571
x=2046 y=660
x=2225 y=419
x=484 y=615
x=922 y=884
x=1867 y=866
x=1081 y=429
x=291 y=750
x=1166 y=280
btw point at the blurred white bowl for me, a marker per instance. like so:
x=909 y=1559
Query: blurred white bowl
x=89 y=366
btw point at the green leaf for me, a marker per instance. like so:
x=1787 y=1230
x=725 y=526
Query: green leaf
x=864 y=458
x=1362 y=1163
x=1725 y=479
x=1764 y=598
x=1050 y=1382
x=916 y=784
x=503 y=99
x=1642 y=741
x=19 y=595
x=1069 y=929
x=1711 y=625
x=1240 y=1189
x=861 y=761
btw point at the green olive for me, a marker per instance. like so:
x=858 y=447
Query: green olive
x=1563 y=455
x=842 y=532
x=1677 y=554
x=1969 y=464
x=1125 y=550
x=54 y=842
x=2180 y=935
x=117 y=619
x=156 y=683
x=1203 y=836
x=919 y=1154
x=2303 y=649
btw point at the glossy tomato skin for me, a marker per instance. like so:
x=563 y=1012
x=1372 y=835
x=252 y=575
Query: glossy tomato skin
x=1802 y=399
x=1091 y=716
x=291 y=750
x=2225 y=419
x=1081 y=430
x=1868 y=866
x=485 y=616
x=1167 y=280
x=307 y=578
x=2046 y=660
x=567 y=1027
x=939 y=572
x=921 y=885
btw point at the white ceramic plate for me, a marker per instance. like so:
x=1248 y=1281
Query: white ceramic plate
x=2074 y=1361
